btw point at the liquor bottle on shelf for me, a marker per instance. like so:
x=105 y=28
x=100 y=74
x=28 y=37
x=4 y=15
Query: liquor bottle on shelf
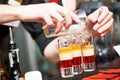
x=3 y=71
x=15 y=72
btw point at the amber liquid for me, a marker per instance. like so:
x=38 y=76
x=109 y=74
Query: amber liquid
x=88 y=54
x=76 y=51
x=88 y=58
x=77 y=59
x=65 y=57
x=66 y=61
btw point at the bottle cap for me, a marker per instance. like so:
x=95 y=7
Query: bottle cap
x=33 y=75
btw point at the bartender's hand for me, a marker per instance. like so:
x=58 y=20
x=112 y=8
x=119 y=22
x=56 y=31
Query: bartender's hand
x=49 y=14
x=101 y=20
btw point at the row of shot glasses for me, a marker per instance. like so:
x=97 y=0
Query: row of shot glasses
x=76 y=55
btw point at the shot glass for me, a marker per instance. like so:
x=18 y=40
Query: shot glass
x=88 y=57
x=66 y=58
x=77 y=54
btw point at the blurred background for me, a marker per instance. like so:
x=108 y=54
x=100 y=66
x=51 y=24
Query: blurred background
x=32 y=59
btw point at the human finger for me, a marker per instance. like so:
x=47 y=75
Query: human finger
x=103 y=13
x=103 y=22
x=93 y=17
x=105 y=32
x=106 y=27
x=46 y=26
x=75 y=17
x=48 y=21
x=59 y=27
x=67 y=17
x=56 y=16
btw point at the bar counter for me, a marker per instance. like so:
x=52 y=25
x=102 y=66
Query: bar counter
x=110 y=71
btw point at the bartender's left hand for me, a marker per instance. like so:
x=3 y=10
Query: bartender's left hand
x=101 y=20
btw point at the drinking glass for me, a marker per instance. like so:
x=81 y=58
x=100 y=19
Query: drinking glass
x=66 y=58
x=88 y=56
x=76 y=53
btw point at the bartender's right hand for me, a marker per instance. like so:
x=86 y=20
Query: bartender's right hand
x=100 y=20
x=49 y=14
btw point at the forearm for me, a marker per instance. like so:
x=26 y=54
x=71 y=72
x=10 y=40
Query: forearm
x=51 y=51
x=47 y=13
x=71 y=4
x=25 y=13
x=9 y=13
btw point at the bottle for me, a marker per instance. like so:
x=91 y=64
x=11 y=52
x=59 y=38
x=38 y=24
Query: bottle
x=73 y=29
x=15 y=72
x=3 y=71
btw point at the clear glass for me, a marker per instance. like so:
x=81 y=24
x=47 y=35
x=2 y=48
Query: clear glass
x=65 y=54
x=88 y=56
x=77 y=53
x=73 y=29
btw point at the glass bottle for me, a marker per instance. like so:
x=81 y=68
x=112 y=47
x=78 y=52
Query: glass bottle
x=15 y=72
x=73 y=29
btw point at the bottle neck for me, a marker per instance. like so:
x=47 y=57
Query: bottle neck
x=12 y=46
x=15 y=71
x=16 y=66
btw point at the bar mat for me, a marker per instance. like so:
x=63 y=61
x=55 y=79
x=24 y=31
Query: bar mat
x=104 y=73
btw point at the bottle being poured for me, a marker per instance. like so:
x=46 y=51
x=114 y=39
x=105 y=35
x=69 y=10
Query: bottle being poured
x=73 y=29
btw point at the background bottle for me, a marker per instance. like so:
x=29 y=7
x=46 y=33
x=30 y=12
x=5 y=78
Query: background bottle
x=15 y=71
